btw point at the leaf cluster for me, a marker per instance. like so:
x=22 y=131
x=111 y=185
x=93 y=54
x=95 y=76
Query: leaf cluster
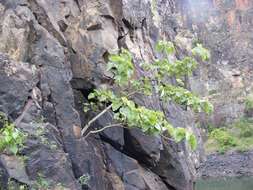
x=121 y=66
x=236 y=136
x=224 y=138
x=184 y=97
x=150 y=121
x=11 y=139
x=129 y=113
x=200 y=51
x=84 y=179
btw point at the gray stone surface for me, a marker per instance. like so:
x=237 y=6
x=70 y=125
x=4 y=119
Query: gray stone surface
x=232 y=164
x=53 y=53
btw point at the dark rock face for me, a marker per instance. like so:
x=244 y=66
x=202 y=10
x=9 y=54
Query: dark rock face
x=132 y=174
x=3 y=177
x=44 y=147
x=53 y=53
x=14 y=97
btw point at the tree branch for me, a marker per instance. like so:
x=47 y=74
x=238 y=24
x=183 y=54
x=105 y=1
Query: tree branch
x=102 y=129
x=135 y=92
x=94 y=119
x=102 y=113
x=167 y=138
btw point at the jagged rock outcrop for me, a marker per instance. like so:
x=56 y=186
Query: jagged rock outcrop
x=53 y=53
x=47 y=46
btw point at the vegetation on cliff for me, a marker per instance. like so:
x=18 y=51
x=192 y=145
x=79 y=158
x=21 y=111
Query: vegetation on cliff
x=236 y=136
x=11 y=139
x=157 y=81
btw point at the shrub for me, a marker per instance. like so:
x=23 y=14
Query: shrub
x=249 y=102
x=129 y=113
x=210 y=127
x=224 y=139
x=236 y=136
x=246 y=132
x=84 y=179
x=245 y=127
x=11 y=138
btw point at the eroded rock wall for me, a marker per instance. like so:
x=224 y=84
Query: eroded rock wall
x=225 y=27
x=53 y=53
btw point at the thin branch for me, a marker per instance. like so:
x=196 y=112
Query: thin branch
x=167 y=138
x=135 y=92
x=104 y=128
x=100 y=114
x=94 y=119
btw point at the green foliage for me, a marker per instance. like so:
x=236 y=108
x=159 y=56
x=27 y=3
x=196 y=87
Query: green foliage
x=184 y=97
x=165 y=47
x=13 y=185
x=41 y=183
x=84 y=179
x=245 y=127
x=163 y=68
x=148 y=120
x=237 y=136
x=210 y=127
x=249 y=102
x=131 y=114
x=224 y=139
x=121 y=66
x=11 y=139
x=199 y=50
x=3 y=120
x=191 y=139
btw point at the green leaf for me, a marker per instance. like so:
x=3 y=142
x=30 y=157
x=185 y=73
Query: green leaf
x=11 y=138
x=180 y=82
x=13 y=149
x=170 y=128
x=91 y=96
x=122 y=67
x=7 y=137
x=199 y=50
x=179 y=134
x=110 y=65
x=192 y=141
x=207 y=107
x=15 y=134
x=86 y=109
x=165 y=47
x=116 y=105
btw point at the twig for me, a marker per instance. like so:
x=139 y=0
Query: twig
x=167 y=138
x=134 y=92
x=94 y=119
x=100 y=114
x=26 y=109
x=102 y=129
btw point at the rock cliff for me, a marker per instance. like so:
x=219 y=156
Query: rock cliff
x=53 y=53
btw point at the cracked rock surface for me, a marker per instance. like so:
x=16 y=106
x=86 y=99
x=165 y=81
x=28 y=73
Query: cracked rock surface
x=53 y=53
